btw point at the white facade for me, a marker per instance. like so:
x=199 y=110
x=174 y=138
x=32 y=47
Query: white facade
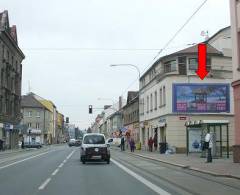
x=156 y=94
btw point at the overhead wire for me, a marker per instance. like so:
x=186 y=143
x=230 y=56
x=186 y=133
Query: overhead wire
x=168 y=43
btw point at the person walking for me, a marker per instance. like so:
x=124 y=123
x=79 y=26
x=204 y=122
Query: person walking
x=122 y=143
x=208 y=145
x=150 y=144
x=132 y=144
x=1 y=144
x=22 y=145
x=155 y=142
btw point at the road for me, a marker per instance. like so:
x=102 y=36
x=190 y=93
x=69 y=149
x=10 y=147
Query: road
x=57 y=170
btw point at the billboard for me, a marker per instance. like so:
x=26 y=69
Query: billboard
x=204 y=98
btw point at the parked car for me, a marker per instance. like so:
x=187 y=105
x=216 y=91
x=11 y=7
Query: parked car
x=94 y=147
x=114 y=141
x=32 y=145
x=78 y=142
x=72 y=142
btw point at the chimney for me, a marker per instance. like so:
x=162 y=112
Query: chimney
x=120 y=103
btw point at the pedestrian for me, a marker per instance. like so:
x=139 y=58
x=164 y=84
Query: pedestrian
x=1 y=144
x=155 y=142
x=132 y=144
x=122 y=143
x=150 y=144
x=22 y=145
x=208 y=145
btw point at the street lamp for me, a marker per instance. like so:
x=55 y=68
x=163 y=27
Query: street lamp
x=132 y=65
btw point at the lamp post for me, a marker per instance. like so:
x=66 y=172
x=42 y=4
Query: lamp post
x=131 y=65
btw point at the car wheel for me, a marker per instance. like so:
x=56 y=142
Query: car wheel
x=83 y=162
x=108 y=161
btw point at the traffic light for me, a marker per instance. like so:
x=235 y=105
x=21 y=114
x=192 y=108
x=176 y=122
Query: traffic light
x=67 y=119
x=90 y=109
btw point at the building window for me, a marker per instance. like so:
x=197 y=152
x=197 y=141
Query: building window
x=38 y=115
x=147 y=104
x=170 y=66
x=3 y=48
x=143 y=81
x=193 y=63
x=37 y=125
x=160 y=95
x=155 y=100
x=29 y=125
x=30 y=114
x=151 y=103
x=182 y=68
x=164 y=96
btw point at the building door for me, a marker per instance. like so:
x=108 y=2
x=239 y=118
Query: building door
x=162 y=134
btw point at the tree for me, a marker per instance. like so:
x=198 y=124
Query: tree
x=89 y=130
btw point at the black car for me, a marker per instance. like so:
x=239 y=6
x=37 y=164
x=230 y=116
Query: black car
x=94 y=147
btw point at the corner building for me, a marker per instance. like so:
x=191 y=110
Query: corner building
x=171 y=94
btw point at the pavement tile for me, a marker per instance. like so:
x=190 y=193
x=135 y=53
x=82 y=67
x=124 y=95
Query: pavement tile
x=219 y=167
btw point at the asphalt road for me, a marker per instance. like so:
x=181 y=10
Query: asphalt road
x=57 y=170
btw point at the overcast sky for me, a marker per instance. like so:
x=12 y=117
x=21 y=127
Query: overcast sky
x=74 y=77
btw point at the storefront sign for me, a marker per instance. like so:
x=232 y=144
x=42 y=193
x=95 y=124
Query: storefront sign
x=204 y=98
x=182 y=118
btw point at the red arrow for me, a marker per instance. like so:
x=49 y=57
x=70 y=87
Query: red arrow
x=202 y=58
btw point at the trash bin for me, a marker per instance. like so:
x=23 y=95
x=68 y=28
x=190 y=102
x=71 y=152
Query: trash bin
x=162 y=147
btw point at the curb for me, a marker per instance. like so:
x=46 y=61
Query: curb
x=186 y=167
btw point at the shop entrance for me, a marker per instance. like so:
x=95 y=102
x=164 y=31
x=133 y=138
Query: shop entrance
x=196 y=131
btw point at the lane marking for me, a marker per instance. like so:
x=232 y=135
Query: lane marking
x=44 y=184
x=60 y=165
x=2 y=167
x=55 y=172
x=149 y=184
x=69 y=156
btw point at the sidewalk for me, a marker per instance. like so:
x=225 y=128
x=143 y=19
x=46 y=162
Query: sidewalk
x=219 y=167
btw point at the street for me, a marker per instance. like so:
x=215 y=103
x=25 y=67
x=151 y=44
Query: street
x=57 y=170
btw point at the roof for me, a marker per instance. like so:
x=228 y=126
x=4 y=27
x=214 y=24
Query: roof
x=218 y=32
x=44 y=103
x=30 y=101
x=47 y=104
x=131 y=95
x=192 y=50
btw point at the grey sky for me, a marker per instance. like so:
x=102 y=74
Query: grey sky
x=73 y=79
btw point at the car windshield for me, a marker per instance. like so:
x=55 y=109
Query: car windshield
x=94 y=139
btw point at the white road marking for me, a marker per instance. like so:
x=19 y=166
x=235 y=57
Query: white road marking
x=55 y=172
x=60 y=165
x=24 y=160
x=69 y=156
x=44 y=184
x=149 y=184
